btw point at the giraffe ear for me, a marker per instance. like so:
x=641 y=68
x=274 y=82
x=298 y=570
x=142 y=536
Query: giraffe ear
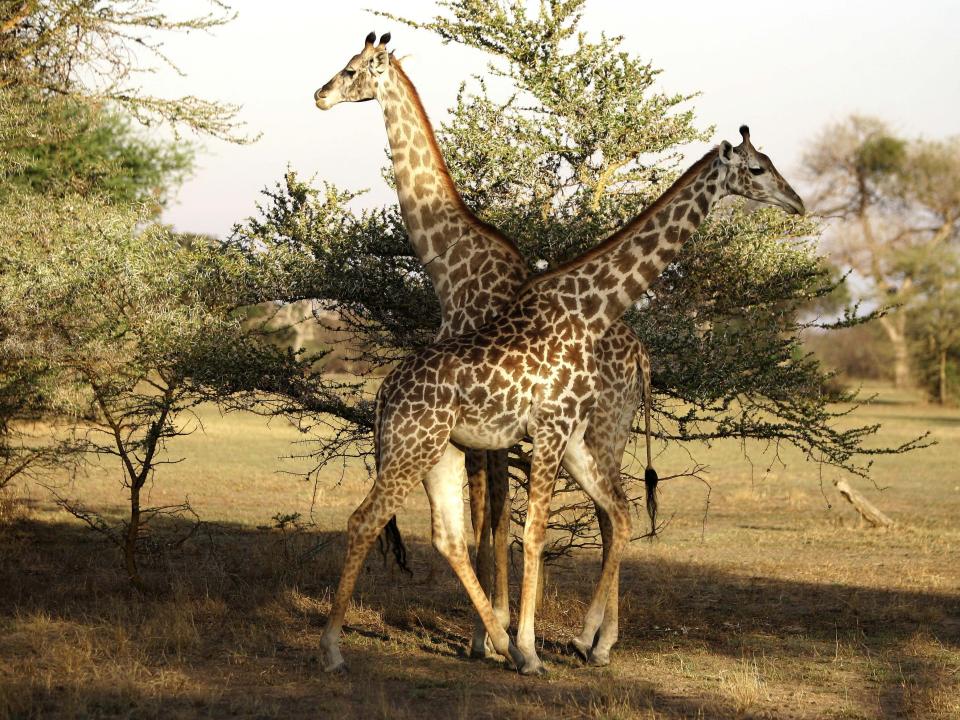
x=379 y=62
x=725 y=151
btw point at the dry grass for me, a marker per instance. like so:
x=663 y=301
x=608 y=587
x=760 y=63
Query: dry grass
x=784 y=609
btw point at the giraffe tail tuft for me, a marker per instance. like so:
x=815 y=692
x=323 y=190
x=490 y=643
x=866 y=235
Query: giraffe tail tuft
x=391 y=539
x=650 y=479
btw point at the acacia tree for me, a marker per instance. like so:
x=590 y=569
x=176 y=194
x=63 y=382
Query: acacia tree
x=133 y=328
x=92 y=51
x=582 y=142
x=112 y=328
x=70 y=109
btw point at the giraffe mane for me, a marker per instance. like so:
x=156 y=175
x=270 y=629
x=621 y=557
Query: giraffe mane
x=613 y=239
x=483 y=227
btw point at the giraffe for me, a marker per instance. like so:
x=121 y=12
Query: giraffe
x=476 y=271
x=532 y=372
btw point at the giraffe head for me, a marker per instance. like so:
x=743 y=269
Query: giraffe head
x=360 y=78
x=751 y=174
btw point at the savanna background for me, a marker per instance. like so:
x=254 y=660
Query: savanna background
x=198 y=299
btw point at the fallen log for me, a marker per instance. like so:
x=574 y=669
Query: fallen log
x=868 y=511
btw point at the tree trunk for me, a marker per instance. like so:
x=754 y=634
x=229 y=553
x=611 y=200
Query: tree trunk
x=130 y=543
x=901 y=363
x=943 y=376
x=895 y=328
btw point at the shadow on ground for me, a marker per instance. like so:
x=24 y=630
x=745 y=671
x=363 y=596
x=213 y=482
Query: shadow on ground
x=231 y=623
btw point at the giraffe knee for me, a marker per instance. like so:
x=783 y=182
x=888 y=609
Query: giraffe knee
x=621 y=523
x=450 y=547
x=355 y=522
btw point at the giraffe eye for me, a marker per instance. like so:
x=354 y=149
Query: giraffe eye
x=349 y=73
x=757 y=171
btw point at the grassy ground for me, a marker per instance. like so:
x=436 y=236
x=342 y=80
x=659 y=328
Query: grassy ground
x=778 y=605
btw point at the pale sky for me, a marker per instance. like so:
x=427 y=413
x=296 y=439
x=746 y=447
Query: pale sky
x=786 y=69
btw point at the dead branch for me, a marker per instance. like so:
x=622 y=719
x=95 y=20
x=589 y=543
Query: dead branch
x=868 y=511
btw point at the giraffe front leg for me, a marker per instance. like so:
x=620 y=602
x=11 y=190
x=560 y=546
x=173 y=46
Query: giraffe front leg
x=543 y=474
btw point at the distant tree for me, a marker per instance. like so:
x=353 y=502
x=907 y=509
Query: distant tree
x=934 y=310
x=895 y=201
x=930 y=184
x=582 y=142
x=856 y=165
x=931 y=188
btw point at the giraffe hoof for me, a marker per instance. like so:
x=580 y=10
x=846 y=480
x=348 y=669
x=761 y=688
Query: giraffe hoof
x=598 y=659
x=530 y=669
x=584 y=650
x=483 y=652
x=336 y=668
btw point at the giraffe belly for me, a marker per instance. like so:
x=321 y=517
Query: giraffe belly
x=494 y=434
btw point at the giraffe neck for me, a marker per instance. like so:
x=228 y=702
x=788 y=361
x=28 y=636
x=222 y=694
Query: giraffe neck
x=600 y=285
x=448 y=239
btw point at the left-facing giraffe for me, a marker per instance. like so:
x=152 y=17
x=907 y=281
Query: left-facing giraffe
x=476 y=271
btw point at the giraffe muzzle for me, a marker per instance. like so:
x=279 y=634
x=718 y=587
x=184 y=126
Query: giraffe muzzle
x=795 y=205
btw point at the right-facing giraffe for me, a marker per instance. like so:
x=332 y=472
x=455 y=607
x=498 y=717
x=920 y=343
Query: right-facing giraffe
x=476 y=272
x=532 y=371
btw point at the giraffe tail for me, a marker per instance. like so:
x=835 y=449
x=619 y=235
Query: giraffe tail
x=650 y=477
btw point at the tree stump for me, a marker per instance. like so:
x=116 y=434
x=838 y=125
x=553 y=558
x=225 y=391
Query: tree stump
x=868 y=511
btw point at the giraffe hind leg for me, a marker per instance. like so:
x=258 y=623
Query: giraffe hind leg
x=444 y=489
x=493 y=543
x=612 y=503
x=499 y=484
x=606 y=439
x=476 y=468
x=364 y=526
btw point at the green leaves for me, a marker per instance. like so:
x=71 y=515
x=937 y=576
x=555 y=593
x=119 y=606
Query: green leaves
x=90 y=51
x=78 y=151
x=583 y=131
